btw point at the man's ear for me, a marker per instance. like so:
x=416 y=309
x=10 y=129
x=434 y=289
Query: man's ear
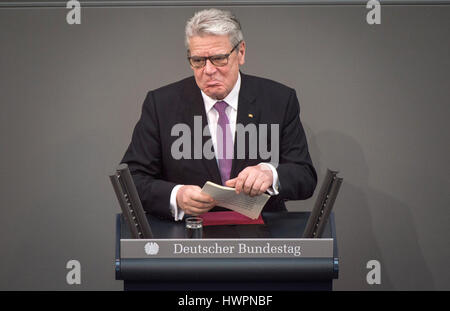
x=241 y=53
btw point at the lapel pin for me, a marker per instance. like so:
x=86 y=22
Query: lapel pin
x=250 y=115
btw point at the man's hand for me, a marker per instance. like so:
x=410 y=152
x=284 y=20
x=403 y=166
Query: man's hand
x=253 y=180
x=193 y=202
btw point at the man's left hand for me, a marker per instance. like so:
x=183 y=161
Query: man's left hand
x=253 y=180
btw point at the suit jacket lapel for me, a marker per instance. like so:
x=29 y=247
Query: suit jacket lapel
x=196 y=107
x=248 y=112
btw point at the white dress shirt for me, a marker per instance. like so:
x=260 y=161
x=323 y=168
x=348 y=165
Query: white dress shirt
x=213 y=116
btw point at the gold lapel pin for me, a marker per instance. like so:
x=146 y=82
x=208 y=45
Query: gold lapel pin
x=250 y=115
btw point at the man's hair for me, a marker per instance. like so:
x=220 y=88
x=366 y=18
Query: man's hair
x=214 y=22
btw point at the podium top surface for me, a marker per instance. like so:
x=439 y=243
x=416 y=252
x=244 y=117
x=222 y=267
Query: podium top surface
x=277 y=225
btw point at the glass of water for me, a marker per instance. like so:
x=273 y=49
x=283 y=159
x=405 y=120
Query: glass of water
x=194 y=228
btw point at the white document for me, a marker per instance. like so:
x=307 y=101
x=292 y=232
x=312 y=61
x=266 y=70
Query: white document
x=241 y=203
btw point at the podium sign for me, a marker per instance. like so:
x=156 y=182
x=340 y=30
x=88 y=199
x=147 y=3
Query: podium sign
x=226 y=248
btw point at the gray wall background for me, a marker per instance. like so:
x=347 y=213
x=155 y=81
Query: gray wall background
x=374 y=103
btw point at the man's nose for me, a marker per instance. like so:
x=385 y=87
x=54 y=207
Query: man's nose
x=209 y=67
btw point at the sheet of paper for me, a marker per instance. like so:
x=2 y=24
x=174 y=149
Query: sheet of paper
x=241 y=203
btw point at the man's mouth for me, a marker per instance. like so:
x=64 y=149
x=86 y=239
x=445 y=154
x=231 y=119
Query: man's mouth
x=213 y=83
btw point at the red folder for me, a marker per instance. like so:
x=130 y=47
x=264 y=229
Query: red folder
x=229 y=218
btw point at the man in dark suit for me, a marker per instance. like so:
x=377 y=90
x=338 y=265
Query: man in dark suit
x=214 y=106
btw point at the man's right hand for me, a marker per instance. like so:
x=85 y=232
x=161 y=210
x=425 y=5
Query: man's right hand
x=193 y=202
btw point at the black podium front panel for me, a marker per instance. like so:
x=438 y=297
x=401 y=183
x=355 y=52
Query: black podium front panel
x=229 y=273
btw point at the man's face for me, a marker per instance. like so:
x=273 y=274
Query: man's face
x=216 y=82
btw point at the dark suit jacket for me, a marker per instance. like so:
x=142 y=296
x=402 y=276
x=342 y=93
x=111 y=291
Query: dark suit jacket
x=156 y=172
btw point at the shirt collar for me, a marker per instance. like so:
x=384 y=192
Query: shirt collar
x=231 y=99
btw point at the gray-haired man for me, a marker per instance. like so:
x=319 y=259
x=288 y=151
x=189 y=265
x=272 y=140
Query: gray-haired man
x=226 y=100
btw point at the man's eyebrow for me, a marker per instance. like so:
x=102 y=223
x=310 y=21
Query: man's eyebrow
x=221 y=54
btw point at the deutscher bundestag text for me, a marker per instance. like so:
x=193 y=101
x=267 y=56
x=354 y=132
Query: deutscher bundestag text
x=241 y=248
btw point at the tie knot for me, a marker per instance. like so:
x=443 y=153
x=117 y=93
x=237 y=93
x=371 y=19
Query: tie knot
x=220 y=106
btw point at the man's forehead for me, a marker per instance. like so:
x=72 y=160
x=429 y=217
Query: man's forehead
x=209 y=44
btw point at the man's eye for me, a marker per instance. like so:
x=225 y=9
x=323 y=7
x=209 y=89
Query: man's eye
x=197 y=59
x=218 y=57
